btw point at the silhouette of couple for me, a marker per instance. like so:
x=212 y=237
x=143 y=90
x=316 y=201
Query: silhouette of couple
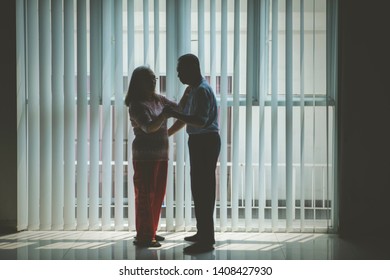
x=197 y=111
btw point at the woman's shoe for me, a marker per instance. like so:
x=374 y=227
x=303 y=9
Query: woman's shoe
x=154 y=244
x=160 y=238
x=147 y=244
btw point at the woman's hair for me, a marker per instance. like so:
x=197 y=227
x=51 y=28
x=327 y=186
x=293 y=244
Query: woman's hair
x=140 y=78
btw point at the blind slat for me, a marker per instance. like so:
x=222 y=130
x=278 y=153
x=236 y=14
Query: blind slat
x=201 y=35
x=235 y=170
x=264 y=54
x=33 y=114
x=94 y=135
x=70 y=121
x=106 y=115
x=183 y=12
x=146 y=30
x=82 y=115
x=130 y=134
x=313 y=173
x=251 y=77
x=171 y=87
x=45 y=111
x=187 y=180
x=213 y=44
x=223 y=118
x=22 y=193
x=274 y=116
x=58 y=116
x=157 y=47
x=332 y=26
x=289 y=116
x=302 y=113
x=119 y=137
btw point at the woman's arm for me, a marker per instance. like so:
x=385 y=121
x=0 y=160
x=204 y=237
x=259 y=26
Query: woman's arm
x=154 y=125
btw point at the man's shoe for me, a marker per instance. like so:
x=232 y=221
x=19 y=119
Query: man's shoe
x=193 y=238
x=198 y=248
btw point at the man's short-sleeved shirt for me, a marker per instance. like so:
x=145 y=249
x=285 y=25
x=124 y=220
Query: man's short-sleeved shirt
x=202 y=103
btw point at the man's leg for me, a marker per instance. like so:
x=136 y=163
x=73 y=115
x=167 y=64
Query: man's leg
x=204 y=151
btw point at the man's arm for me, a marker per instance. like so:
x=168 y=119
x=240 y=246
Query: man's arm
x=184 y=98
x=177 y=125
x=199 y=117
x=192 y=120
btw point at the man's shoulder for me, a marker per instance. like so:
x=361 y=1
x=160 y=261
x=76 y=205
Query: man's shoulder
x=205 y=88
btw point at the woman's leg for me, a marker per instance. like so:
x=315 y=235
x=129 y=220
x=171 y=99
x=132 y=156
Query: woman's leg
x=160 y=184
x=143 y=198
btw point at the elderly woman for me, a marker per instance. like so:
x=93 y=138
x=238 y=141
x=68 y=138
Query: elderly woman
x=150 y=153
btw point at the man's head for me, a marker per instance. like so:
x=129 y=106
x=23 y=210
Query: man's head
x=188 y=69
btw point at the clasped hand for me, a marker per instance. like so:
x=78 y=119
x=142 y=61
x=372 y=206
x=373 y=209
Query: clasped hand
x=169 y=112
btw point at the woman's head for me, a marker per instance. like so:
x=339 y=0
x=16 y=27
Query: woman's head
x=142 y=85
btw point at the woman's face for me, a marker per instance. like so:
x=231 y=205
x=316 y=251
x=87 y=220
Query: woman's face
x=149 y=81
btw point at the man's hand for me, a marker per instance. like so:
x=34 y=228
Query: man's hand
x=184 y=98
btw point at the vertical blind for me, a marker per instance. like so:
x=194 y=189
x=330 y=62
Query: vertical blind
x=272 y=64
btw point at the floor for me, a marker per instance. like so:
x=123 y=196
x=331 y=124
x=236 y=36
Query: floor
x=117 y=245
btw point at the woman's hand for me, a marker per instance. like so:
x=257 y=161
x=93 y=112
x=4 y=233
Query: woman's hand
x=154 y=125
x=167 y=111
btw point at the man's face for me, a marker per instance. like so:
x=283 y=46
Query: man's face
x=183 y=74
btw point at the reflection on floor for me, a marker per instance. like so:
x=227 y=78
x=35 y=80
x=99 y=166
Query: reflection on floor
x=90 y=245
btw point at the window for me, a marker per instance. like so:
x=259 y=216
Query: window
x=272 y=64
